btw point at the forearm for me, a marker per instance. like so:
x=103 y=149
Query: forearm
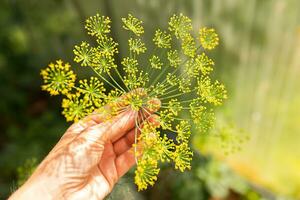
x=32 y=190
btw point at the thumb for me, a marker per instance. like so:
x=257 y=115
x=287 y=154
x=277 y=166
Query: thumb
x=112 y=129
x=88 y=147
x=117 y=127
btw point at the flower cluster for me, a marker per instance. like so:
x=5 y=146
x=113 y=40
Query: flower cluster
x=177 y=72
x=58 y=78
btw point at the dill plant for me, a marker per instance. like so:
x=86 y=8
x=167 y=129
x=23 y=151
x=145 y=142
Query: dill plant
x=177 y=73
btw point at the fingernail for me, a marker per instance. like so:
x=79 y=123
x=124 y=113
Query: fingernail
x=153 y=105
x=155 y=120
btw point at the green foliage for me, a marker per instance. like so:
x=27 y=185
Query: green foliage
x=172 y=86
x=24 y=171
x=219 y=179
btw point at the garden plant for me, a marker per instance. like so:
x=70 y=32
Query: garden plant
x=178 y=74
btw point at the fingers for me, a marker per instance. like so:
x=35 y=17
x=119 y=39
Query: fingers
x=76 y=128
x=118 y=126
x=94 y=138
x=126 y=142
x=124 y=151
x=102 y=114
x=124 y=162
x=107 y=163
x=126 y=158
x=111 y=130
x=97 y=117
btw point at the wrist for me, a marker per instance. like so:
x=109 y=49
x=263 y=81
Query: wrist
x=33 y=190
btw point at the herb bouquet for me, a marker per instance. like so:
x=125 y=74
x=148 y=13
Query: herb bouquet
x=177 y=73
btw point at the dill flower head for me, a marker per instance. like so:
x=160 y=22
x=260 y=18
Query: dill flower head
x=98 y=25
x=133 y=24
x=58 y=78
x=75 y=107
x=162 y=39
x=176 y=71
x=136 y=46
x=155 y=62
x=180 y=25
x=209 y=39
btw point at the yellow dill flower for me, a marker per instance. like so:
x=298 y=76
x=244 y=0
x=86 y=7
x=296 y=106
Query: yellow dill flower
x=155 y=62
x=173 y=58
x=113 y=96
x=138 y=80
x=182 y=157
x=162 y=39
x=93 y=91
x=183 y=131
x=164 y=148
x=204 y=64
x=136 y=46
x=134 y=78
x=212 y=93
x=157 y=89
x=98 y=25
x=84 y=54
x=202 y=117
x=146 y=173
x=191 y=68
x=130 y=65
x=172 y=79
x=103 y=64
x=58 y=78
x=174 y=106
x=135 y=100
x=184 y=85
x=189 y=45
x=106 y=46
x=172 y=76
x=180 y=25
x=200 y=64
x=165 y=119
x=209 y=39
x=133 y=24
x=75 y=107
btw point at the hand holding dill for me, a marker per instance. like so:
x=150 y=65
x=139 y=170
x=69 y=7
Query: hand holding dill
x=89 y=158
x=177 y=74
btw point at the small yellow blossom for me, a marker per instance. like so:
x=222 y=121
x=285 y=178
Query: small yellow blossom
x=58 y=78
x=209 y=39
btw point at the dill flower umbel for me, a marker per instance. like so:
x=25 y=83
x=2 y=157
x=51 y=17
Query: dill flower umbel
x=58 y=78
x=209 y=38
x=133 y=24
x=176 y=71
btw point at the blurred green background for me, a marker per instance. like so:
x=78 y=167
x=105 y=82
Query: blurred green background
x=253 y=152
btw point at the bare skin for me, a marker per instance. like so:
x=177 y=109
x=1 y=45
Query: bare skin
x=87 y=161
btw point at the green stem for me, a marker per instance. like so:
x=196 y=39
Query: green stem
x=106 y=80
x=179 y=68
x=176 y=95
x=120 y=76
x=112 y=78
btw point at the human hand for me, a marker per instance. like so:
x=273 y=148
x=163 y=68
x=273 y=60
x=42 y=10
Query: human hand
x=88 y=160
